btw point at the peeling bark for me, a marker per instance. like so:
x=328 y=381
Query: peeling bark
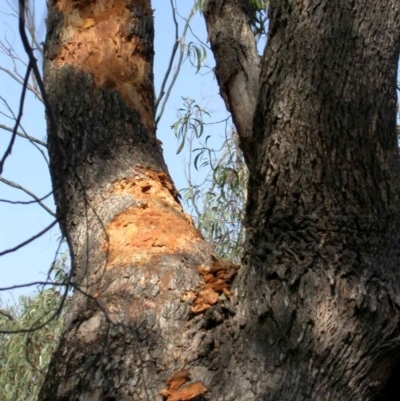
x=137 y=253
x=314 y=311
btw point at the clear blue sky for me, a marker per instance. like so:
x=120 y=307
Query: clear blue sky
x=27 y=167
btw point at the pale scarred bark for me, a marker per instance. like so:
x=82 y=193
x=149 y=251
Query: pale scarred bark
x=237 y=62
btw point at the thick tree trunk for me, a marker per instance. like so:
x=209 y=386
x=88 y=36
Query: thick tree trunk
x=315 y=310
x=319 y=293
x=137 y=254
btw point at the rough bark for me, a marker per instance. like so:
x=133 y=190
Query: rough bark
x=321 y=286
x=137 y=254
x=314 y=313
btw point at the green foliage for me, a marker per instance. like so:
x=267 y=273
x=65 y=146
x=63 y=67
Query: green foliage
x=199 y=5
x=24 y=357
x=197 y=55
x=190 y=121
x=260 y=17
x=218 y=200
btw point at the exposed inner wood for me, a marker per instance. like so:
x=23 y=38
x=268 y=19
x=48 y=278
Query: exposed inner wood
x=155 y=227
x=108 y=39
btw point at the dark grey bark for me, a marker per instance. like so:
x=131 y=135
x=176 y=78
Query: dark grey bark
x=320 y=286
x=314 y=313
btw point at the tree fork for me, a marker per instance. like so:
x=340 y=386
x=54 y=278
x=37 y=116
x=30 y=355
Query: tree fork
x=319 y=290
x=323 y=221
x=314 y=314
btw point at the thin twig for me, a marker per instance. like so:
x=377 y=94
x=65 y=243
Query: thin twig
x=46 y=322
x=180 y=61
x=18 y=119
x=29 y=240
x=21 y=82
x=32 y=140
x=31 y=284
x=171 y=59
x=24 y=202
x=55 y=258
x=53 y=128
x=31 y=194
x=22 y=135
x=6 y=314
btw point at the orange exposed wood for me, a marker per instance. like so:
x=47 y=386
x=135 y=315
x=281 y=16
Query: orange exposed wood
x=97 y=38
x=209 y=296
x=178 y=379
x=156 y=226
x=189 y=392
x=218 y=278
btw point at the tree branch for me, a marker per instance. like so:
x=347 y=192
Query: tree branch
x=17 y=120
x=32 y=195
x=237 y=62
x=35 y=142
x=29 y=240
x=26 y=136
x=171 y=59
x=178 y=67
x=6 y=314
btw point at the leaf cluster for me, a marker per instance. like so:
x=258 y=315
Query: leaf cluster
x=24 y=357
x=217 y=200
x=259 y=17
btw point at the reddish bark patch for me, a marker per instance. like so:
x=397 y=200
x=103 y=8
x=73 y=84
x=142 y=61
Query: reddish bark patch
x=175 y=391
x=178 y=379
x=99 y=37
x=218 y=279
x=156 y=226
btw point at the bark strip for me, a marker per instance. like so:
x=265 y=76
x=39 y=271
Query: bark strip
x=237 y=62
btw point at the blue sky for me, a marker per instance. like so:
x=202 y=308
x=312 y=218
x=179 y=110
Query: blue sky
x=28 y=168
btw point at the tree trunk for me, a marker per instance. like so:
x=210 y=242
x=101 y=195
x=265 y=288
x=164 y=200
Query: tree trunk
x=136 y=253
x=314 y=313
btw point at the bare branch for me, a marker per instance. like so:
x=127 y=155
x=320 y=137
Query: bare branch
x=15 y=11
x=53 y=316
x=25 y=202
x=31 y=139
x=6 y=314
x=31 y=194
x=180 y=61
x=31 y=284
x=60 y=155
x=35 y=142
x=29 y=240
x=16 y=78
x=17 y=120
x=26 y=136
x=31 y=27
x=171 y=60
x=237 y=62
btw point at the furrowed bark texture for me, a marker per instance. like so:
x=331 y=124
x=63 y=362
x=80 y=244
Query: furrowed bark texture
x=237 y=61
x=314 y=314
x=322 y=259
x=318 y=296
